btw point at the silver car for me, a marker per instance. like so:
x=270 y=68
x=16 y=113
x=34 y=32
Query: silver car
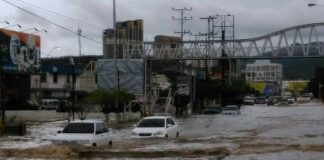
x=231 y=110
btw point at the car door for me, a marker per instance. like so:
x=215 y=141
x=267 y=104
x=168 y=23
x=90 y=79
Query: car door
x=102 y=134
x=171 y=127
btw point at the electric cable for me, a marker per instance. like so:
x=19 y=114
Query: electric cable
x=59 y=15
x=55 y=24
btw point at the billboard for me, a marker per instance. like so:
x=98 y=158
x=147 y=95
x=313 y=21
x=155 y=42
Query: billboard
x=20 y=52
x=126 y=74
x=183 y=85
x=268 y=88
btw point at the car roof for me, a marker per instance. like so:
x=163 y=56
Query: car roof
x=157 y=117
x=87 y=121
x=214 y=105
x=231 y=106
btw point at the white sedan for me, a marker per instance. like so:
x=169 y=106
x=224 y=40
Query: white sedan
x=156 y=126
x=85 y=132
x=231 y=109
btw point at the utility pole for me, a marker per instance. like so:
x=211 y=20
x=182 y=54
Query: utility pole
x=79 y=34
x=209 y=26
x=3 y=110
x=182 y=20
x=209 y=34
x=225 y=25
x=182 y=32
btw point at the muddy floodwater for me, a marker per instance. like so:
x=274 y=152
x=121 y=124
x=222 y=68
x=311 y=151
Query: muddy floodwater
x=264 y=132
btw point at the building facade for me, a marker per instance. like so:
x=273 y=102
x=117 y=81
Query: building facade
x=264 y=76
x=118 y=42
x=264 y=71
x=55 y=81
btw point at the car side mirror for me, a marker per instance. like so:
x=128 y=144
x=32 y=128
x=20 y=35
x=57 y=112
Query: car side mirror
x=169 y=125
x=59 y=132
x=134 y=125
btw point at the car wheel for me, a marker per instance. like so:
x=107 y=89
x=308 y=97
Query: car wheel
x=177 y=135
x=166 y=136
x=94 y=144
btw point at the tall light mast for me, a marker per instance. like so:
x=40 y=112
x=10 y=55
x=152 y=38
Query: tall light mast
x=114 y=14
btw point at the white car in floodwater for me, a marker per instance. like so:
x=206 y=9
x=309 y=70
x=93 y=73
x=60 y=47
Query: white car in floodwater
x=156 y=126
x=84 y=132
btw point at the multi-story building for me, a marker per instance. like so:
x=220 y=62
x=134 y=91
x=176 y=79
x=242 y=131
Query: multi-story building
x=55 y=81
x=264 y=76
x=167 y=46
x=264 y=71
x=118 y=42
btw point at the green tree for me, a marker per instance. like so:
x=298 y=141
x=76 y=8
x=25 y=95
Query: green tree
x=100 y=97
x=113 y=101
x=110 y=101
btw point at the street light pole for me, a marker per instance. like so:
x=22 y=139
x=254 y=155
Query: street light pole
x=3 y=112
x=73 y=87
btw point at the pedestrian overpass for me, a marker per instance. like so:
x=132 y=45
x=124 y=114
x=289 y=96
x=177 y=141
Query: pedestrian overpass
x=295 y=42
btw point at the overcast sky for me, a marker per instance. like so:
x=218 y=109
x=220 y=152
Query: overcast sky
x=252 y=18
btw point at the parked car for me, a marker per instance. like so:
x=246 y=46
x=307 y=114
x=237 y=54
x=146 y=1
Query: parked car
x=213 y=109
x=23 y=105
x=231 y=109
x=260 y=100
x=283 y=101
x=310 y=95
x=273 y=100
x=247 y=100
x=291 y=99
x=50 y=104
x=84 y=132
x=156 y=126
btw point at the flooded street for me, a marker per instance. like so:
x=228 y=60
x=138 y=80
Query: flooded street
x=260 y=132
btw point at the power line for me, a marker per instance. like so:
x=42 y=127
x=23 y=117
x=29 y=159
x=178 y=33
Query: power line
x=55 y=24
x=52 y=13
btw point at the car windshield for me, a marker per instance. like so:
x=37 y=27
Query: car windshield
x=151 y=123
x=79 y=128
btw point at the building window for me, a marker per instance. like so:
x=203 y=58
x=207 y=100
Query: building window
x=54 y=77
x=96 y=78
x=43 y=78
